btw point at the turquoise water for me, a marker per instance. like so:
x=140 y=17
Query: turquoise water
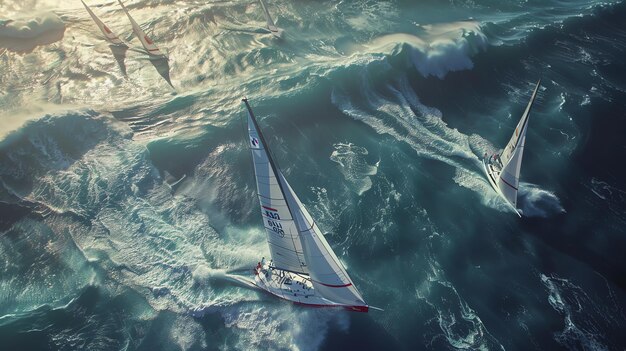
x=377 y=112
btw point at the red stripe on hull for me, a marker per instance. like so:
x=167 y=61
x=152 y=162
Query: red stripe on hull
x=335 y=286
x=364 y=309
x=269 y=208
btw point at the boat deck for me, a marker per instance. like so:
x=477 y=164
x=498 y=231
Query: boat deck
x=294 y=287
x=493 y=172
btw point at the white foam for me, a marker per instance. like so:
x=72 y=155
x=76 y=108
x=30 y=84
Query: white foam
x=537 y=202
x=284 y=326
x=460 y=325
x=440 y=49
x=406 y=119
x=579 y=315
x=353 y=166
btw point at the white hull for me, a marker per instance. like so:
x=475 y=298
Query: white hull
x=295 y=288
x=492 y=174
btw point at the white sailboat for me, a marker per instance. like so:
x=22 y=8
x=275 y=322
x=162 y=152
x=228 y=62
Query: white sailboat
x=147 y=43
x=277 y=32
x=108 y=34
x=304 y=269
x=503 y=171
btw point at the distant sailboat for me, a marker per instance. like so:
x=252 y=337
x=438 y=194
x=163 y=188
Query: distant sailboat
x=304 y=269
x=277 y=32
x=503 y=171
x=147 y=43
x=108 y=34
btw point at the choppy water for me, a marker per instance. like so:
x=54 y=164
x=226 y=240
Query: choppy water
x=378 y=113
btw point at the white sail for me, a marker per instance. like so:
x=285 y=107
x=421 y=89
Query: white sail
x=108 y=34
x=278 y=32
x=328 y=275
x=511 y=158
x=282 y=233
x=141 y=35
x=270 y=22
x=329 y=279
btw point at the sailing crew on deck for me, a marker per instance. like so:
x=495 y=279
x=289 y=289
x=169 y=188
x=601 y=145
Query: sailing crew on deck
x=263 y=262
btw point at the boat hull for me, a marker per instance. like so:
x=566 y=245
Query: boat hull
x=492 y=175
x=296 y=289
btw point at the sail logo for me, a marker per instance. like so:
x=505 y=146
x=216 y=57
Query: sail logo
x=273 y=219
x=254 y=142
x=271 y=213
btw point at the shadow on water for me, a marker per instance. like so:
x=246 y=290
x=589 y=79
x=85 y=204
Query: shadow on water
x=119 y=52
x=162 y=66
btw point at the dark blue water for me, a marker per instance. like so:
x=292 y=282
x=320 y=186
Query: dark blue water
x=377 y=112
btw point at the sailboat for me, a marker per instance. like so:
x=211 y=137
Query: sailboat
x=303 y=268
x=147 y=43
x=503 y=171
x=108 y=34
x=277 y=32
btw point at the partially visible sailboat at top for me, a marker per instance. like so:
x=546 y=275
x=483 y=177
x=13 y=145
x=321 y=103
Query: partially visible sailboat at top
x=303 y=267
x=503 y=171
x=108 y=34
x=147 y=43
x=277 y=32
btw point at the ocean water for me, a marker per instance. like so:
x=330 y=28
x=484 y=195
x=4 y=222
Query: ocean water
x=128 y=218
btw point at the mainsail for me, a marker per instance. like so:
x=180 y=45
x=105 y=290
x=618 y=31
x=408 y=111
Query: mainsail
x=108 y=34
x=282 y=233
x=141 y=35
x=270 y=22
x=296 y=236
x=511 y=158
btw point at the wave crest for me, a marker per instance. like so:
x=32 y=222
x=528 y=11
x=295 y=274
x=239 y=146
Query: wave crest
x=26 y=33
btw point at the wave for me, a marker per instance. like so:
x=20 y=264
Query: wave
x=537 y=202
x=441 y=48
x=396 y=110
x=23 y=34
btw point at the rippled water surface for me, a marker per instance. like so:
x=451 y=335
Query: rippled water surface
x=128 y=212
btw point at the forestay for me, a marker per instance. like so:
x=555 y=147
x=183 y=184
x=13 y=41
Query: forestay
x=511 y=157
x=108 y=34
x=282 y=234
x=141 y=35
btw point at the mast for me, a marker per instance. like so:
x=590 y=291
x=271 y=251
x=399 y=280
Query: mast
x=270 y=22
x=108 y=34
x=281 y=229
x=146 y=42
